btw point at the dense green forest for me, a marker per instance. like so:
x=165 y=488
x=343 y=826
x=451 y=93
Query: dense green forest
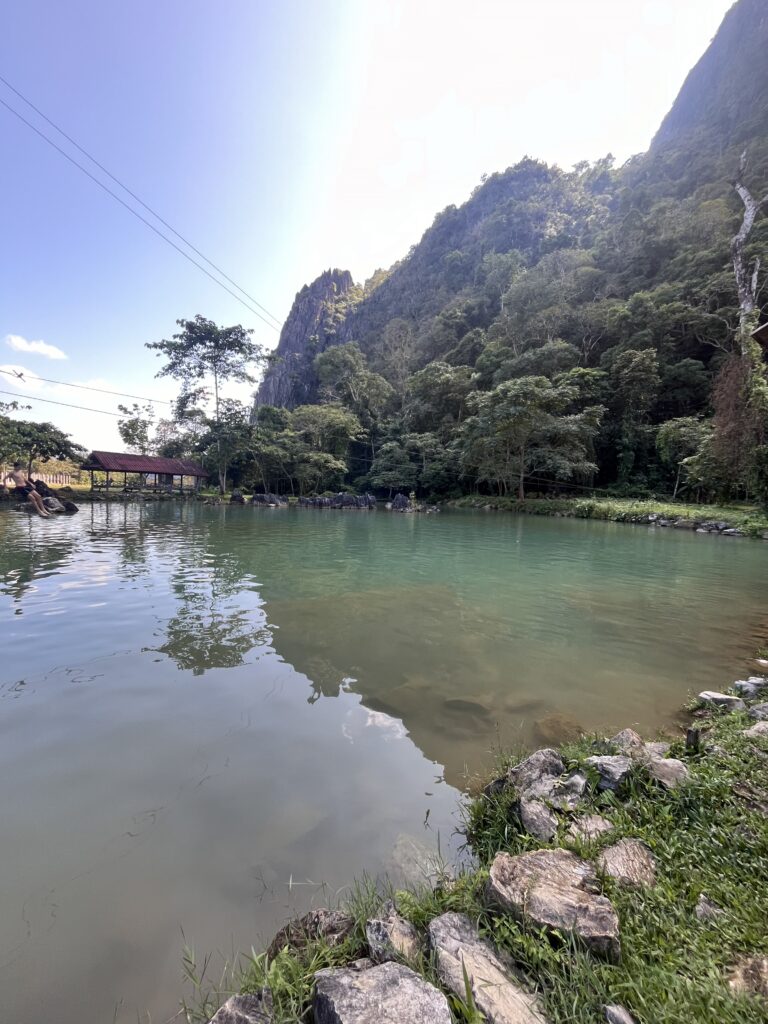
x=560 y=329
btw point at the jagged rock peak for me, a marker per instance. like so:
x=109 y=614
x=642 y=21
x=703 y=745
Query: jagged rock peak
x=309 y=328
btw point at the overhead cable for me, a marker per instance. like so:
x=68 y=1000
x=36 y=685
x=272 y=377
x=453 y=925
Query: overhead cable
x=135 y=213
x=50 y=401
x=83 y=387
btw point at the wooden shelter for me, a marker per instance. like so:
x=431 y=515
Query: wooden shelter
x=148 y=472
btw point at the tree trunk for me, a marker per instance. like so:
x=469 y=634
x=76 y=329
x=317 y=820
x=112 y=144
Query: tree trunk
x=746 y=277
x=677 y=481
x=521 y=479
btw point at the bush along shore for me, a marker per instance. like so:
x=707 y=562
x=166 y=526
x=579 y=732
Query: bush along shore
x=728 y=521
x=615 y=880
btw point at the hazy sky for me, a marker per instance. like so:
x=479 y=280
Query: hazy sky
x=281 y=137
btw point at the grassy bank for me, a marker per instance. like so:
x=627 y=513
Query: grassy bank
x=750 y=519
x=709 y=837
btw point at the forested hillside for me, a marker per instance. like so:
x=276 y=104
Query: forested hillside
x=560 y=328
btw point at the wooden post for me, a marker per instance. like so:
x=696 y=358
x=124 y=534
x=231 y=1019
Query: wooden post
x=91 y=472
x=692 y=740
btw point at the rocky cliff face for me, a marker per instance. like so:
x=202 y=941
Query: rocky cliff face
x=317 y=312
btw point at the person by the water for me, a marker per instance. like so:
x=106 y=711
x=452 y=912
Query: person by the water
x=27 y=487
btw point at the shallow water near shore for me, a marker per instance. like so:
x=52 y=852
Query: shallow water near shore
x=213 y=717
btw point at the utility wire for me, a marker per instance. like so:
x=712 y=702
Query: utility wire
x=135 y=213
x=134 y=196
x=50 y=401
x=83 y=387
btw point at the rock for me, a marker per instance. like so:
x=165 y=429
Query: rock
x=732 y=532
x=70 y=507
x=556 y=728
x=759 y=712
x=725 y=701
x=628 y=742
x=236 y=498
x=750 y=977
x=536 y=775
x=670 y=772
x=53 y=504
x=657 y=748
x=613 y=770
x=685 y=524
x=386 y=994
x=399 y=503
x=589 y=827
x=757 y=732
x=496 y=787
x=537 y=819
x=616 y=1014
x=333 y=926
x=706 y=910
x=630 y=862
x=458 y=949
x=751 y=687
x=390 y=936
x=245 y=1009
x=556 y=890
x=568 y=792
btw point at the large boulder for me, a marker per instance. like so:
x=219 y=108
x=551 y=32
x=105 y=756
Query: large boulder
x=668 y=771
x=237 y=498
x=332 y=926
x=557 y=891
x=537 y=819
x=757 y=732
x=724 y=701
x=400 y=503
x=535 y=777
x=390 y=936
x=630 y=862
x=612 y=770
x=245 y=1009
x=386 y=994
x=53 y=504
x=752 y=687
x=462 y=956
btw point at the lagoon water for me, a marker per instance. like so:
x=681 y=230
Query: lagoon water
x=213 y=717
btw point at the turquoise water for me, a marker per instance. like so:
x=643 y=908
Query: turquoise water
x=212 y=717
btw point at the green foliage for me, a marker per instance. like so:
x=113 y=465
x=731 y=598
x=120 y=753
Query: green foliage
x=26 y=441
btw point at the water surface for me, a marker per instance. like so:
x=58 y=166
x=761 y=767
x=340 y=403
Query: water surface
x=212 y=717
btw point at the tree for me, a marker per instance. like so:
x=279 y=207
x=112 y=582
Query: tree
x=634 y=379
x=26 y=442
x=679 y=439
x=227 y=437
x=392 y=469
x=202 y=351
x=519 y=428
x=135 y=428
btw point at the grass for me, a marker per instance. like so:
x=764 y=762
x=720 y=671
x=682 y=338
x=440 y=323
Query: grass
x=749 y=518
x=710 y=836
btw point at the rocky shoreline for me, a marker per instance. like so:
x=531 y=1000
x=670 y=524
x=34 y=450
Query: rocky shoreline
x=564 y=860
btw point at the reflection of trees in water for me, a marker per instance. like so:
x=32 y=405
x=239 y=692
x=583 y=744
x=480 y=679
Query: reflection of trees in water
x=27 y=554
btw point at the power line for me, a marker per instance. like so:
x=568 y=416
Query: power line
x=50 y=401
x=135 y=213
x=85 y=387
x=134 y=196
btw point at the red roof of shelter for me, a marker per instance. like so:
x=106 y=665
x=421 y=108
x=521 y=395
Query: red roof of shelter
x=118 y=462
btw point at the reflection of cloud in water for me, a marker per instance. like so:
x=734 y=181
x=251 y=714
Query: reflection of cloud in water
x=390 y=728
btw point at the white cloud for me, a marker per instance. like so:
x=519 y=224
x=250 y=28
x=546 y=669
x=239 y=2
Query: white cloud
x=39 y=348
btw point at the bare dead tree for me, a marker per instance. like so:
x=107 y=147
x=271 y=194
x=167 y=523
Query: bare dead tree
x=746 y=275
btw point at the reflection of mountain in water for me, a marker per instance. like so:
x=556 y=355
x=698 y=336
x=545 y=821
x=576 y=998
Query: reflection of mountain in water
x=437 y=679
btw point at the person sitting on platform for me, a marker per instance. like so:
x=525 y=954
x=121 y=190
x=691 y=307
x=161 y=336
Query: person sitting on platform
x=25 y=486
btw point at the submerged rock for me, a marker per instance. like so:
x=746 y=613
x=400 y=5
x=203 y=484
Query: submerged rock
x=390 y=936
x=630 y=862
x=557 y=728
x=556 y=890
x=725 y=701
x=462 y=956
x=416 y=864
x=386 y=994
x=333 y=926
x=245 y=1009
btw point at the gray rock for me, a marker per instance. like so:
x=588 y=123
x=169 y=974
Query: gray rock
x=536 y=775
x=751 y=687
x=630 y=862
x=459 y=949
x=537 y=819
x=750 y=977
x=333 y=926
x=556 y=890
x=657 y=748
x=246 y=1009
x=628 y=742
x=589 y=827
x=757 y=732
x=759 y=712
x=612 y=769
x=616 y=1014
x=670 y=772
x=726 y=701
x=732 y=532
x=53 y=504
x=706 y=910
x=568 y=792
x=386 y=994
x=390 y=936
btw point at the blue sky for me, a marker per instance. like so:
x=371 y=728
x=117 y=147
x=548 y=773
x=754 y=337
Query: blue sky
x=282 y=138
